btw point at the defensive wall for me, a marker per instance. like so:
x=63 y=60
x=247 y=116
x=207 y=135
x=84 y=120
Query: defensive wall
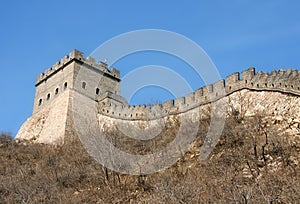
x=62 y=75
x=277 y=81
x=75 y=79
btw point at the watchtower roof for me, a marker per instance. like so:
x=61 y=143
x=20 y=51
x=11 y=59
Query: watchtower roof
x=78 y=56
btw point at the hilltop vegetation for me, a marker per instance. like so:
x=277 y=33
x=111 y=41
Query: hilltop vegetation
x=254 y=162
x=5 y=138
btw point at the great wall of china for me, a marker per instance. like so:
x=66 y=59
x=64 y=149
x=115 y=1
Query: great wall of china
x=96 y=83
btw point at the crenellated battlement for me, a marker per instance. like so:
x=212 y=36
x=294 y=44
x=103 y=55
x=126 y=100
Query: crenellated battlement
x=95 y=89
x=285 y=81
x=63 y=75
x=78 y=56
x=113 y=105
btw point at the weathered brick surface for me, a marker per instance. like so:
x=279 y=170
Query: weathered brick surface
x=76 y=84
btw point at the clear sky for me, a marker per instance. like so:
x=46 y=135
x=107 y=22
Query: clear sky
x=236 y=34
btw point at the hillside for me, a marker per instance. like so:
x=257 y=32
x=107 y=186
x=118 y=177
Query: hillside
x=255 y=161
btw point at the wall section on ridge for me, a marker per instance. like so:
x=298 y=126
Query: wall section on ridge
x=282 y=81
x=80 y=87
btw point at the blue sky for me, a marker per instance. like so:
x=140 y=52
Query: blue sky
x=236 y=34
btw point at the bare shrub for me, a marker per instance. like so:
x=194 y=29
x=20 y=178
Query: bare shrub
x=5 y=138
x=250 y=164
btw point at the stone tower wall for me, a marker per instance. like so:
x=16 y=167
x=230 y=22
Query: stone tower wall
x=63 y=75
x=93 y=83
x=83 y=75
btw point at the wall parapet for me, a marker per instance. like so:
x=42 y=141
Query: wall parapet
x=285 y=81
x=78 y=56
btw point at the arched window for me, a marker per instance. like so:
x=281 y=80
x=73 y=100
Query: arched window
x=40 y=102
x=56 y=91
x=65 y=85
x=97 y=91
x=48 y=96
x=83 y=85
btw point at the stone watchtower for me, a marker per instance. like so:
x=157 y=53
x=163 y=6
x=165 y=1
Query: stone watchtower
x=80 y=89
x=55 y=88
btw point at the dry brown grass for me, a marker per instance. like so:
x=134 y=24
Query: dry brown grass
x=250 y=164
